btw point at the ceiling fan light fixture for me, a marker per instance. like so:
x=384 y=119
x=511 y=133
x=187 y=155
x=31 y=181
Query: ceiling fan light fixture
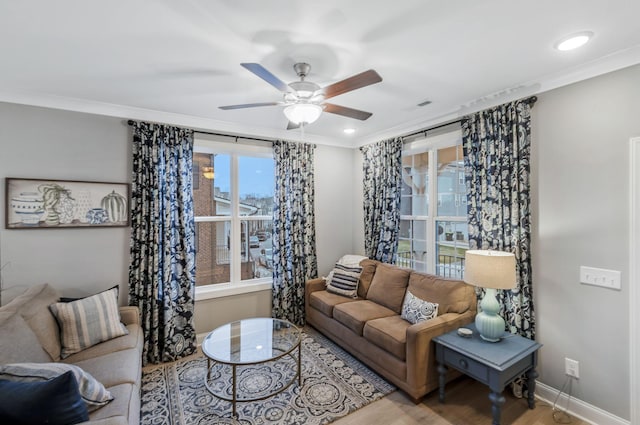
x=299 y=113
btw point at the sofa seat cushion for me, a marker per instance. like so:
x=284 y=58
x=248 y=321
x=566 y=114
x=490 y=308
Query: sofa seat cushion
x=124 y=409
x=33 y=307
x=116 y=368
x=388 y=286
x=18 y=343
x=126 y=342
x=388 y=333
x=325 y=301
x=355 y=314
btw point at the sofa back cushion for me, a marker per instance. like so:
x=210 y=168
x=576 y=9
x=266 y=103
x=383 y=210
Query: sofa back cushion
x=452 y=296
x=33 y=306
x=366 y=275
x=388 y=286
x=18 y=343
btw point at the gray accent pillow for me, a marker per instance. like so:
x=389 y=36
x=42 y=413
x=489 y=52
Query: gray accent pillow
x=93 y=393
x=415 y=310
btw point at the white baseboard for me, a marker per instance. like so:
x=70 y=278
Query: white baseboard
x=578 y=408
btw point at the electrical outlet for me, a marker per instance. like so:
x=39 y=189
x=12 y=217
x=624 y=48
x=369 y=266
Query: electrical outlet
x=572 y=367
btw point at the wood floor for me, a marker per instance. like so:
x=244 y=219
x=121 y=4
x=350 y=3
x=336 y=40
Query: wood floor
x=467 y=403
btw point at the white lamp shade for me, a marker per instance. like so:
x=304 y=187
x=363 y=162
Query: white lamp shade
x=490 y=269
x=303 y=113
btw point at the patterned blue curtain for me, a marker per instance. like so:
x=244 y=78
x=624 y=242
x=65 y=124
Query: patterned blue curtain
x=294 y=241
x=497 y=144
x=162 y=270
x=382 y=180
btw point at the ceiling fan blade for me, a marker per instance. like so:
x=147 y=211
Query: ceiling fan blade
x=346 y=112
x=249 y=105
x=292 y=126
x=262 y=72
x=363 y=79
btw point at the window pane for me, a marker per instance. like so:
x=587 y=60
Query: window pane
x=451 y=244
x=211 y=174
x=212 y=252
x=415 y=184
x=256 y=250
x=452 y=199
x=412 y=245
x=256 y=183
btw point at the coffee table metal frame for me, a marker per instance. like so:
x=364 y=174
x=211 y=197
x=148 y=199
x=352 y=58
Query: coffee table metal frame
x=211 y=361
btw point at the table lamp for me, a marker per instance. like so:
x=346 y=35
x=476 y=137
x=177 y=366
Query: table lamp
x=490 y=270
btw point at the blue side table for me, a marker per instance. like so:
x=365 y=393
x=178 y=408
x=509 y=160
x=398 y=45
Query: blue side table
x=495 y=364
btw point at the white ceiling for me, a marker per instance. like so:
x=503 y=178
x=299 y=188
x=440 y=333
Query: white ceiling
x=177 y=61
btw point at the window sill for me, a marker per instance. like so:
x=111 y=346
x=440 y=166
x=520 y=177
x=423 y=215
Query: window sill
x=229 y=289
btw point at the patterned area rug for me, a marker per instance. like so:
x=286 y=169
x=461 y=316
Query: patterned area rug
x=334 y=385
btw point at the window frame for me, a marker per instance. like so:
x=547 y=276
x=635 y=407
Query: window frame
x=431 y=144
x=209 y=144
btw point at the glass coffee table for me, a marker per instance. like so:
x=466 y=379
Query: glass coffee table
x=251 y=342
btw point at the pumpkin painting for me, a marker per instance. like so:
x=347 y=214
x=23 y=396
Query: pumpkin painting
x=116 y=207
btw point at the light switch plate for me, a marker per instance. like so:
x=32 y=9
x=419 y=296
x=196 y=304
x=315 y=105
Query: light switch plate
x=600 y=277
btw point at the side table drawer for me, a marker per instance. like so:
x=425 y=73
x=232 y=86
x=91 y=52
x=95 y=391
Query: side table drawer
x=467 y=366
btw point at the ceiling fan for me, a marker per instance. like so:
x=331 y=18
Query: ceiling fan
x=304 y=101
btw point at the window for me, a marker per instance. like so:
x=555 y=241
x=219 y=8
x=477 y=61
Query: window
x=233 y=204
x=433 y=207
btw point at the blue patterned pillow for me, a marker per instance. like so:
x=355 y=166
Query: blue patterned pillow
x=54 y=402
x=415 y=310
x=343 y=280
x=88 y=321
x=93 y=393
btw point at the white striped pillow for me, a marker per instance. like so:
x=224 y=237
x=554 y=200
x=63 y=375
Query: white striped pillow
x=343 y=280
x=93 y=393
x=88 y=321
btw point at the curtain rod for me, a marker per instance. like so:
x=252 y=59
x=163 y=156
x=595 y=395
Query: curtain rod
x=530 y=100
x=131 y=122
x=429 y=129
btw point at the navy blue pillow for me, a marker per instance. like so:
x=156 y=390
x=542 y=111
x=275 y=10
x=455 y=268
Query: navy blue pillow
x=53 y=402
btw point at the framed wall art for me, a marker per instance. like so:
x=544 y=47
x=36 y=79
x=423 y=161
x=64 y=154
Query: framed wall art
x=58 y=204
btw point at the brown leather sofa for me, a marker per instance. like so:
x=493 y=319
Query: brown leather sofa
x=371 y=327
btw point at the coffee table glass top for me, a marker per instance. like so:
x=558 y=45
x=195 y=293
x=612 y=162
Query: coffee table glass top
x=251 y=341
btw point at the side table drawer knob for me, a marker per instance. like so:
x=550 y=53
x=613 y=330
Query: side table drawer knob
x=463 y=363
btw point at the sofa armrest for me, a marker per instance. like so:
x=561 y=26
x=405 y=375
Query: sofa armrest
x=313 y=285
x=421 y=363
x=130 y=315
x=310 y=286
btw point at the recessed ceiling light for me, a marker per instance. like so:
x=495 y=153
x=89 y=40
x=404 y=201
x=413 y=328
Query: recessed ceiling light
x=349 y=130
x=574 y=41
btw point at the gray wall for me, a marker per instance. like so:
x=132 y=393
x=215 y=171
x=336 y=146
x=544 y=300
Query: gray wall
x=54 y=144
x=580 y=176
